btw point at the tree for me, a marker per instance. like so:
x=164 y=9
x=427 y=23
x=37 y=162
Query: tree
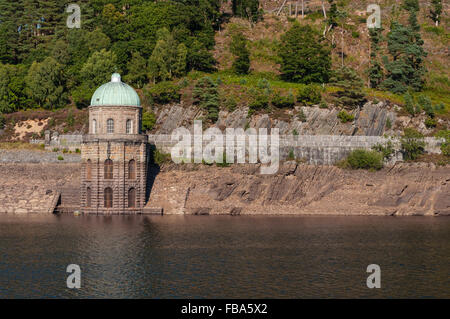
x=45 y=84
x=207 y=96
x=137 y=71
x=350 y=88
x=241 y=64
x=406 y=68
x=168 y=59
x=96 y=71
x=304 y=56
x=248 y=9
x=436 y=11
x=199 y=58
x=375 y=70
x=12 y=88
x=412 y=144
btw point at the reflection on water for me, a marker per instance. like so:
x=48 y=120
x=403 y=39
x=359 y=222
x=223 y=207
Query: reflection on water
x=224 y=257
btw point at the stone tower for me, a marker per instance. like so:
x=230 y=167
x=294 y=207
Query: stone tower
x=114 y=153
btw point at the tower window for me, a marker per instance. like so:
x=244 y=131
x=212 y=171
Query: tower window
x=129 y=127
x=132 y=198
x=88 y=169
x=108 y=197
x=88 y=197
x=110 y=126
x=108 y=169
x=132 y=169
x=94 y=126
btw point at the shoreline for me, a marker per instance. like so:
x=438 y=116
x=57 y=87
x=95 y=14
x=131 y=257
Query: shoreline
x=407 y=189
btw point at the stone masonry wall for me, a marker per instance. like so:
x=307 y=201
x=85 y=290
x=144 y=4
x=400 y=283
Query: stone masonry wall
x=316 y=149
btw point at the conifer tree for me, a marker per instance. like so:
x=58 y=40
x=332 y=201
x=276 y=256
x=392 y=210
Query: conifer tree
x=305 y=58
x=436 y=11
x=350 y=92
x=375 y=70
x=241 y=64
x=406 y=68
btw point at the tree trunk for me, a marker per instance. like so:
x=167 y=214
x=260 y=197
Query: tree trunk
x=324 y=11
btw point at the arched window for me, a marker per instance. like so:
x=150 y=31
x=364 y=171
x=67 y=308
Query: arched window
x=132 y=169
x=132 y=198
x=110 y=126
x=88 y=197
x=88 y=169
x=129 y=127
x=108 y=169
x=108 y=197
x=94 y=126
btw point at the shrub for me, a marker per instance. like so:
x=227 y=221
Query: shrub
x=386 y=150
x=148 y=121
x=323 y=105
x=260 y=101
x=65 y=151
x=60 y=158
x=430 y=122
x=78 y=151
x=412 y=144
x=160 y=158
x=301 y=116
x=345 y=117
x=55 y=149
x=309 y=94
x=164 y=92
x=364 y=159
x=388 y=123
x=283 y=101
x=445 y=147
x=291 y=155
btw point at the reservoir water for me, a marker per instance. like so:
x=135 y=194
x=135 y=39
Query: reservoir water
x=224 y=256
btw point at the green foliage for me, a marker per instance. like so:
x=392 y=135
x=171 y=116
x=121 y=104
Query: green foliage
x=291 y=155
x=148 y=121
x=160 y=158
x=137 y=71
x=406 y=68
x=412 y=144
x=375 y=71
x=345 y=117
x=301 y=116
x=430 y=122
x=45 y=84
x=410 y=104
x=387 y=150
x=445 y=146
x=282 y=101
x=248 y=9
x=260 y=100
x=206 y=95
x=305 y=58
x=436 y=11
x=168 y=59
x=70 y=120
x=363 y=159
x=2 y=121
x=60 y=158
x=12 y=88
x=309 y=94
x=164 y=92
x=350 y=91
x=241 y=64
x=96 y=71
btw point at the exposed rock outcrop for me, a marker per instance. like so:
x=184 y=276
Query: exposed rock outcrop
x=405 y=189
x=370 y=120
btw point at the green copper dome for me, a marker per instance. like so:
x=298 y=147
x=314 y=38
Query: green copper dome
x=115 y=93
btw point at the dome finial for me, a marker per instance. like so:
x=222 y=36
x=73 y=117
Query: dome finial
x=116 y=77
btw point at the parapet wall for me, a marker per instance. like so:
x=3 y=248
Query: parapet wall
x=314 y=149
x=317 y=149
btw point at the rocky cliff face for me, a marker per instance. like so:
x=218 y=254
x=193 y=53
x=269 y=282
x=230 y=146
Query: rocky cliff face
x=370 y=120
x=406 y=189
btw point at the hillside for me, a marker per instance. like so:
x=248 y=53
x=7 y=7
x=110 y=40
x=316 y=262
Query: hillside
x=129 y=38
